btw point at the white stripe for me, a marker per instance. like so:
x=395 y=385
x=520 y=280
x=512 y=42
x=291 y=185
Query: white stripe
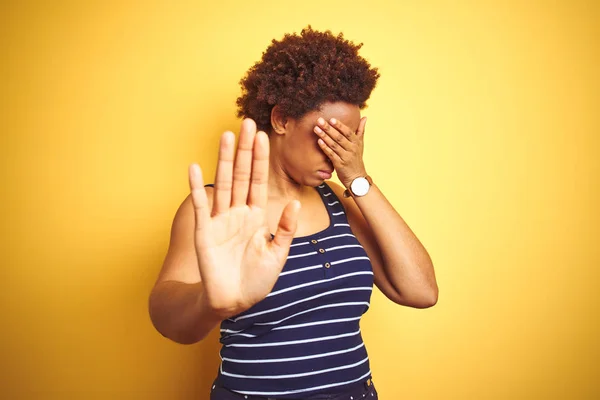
x=348 y=225
x=312 y=253
x=270 y=310
x=301 y=269
x=336 y=236
x=330 y=385
x=321 y=187
x=331 y=204
x=322 y=371
x=327 y=194
x=349 y=259
x=243 y=334
x=275 y=344
x=338 y=213
x=236 y=333
x=328 y=321
x=344 y=247
x=289 y=289
x=351 y=303
x=299 y=244
x=274 y=360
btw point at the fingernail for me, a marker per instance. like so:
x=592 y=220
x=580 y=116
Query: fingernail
x=228 y=137
x=333 y=121
x=318 y=130
x=321 y=121
x=195 y=170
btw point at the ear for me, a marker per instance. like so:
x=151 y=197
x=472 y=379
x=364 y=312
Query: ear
x=278 y=121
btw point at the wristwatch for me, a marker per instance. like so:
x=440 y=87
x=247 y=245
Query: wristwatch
x=359 y=187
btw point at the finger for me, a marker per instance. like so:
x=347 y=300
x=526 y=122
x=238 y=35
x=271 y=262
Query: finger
x=243 y=164
x=336 y=135
x=223 y=178
x=259 y=185
x=360 y=132
x=199 y=199
x=342 y=128
x=329 y=141
x=332 y=155
x=286 y=230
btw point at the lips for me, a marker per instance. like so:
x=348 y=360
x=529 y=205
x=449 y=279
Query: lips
x=325 y=174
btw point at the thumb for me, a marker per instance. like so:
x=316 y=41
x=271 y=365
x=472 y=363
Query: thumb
x=288 y=223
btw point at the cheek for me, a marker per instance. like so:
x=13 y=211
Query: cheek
x=309 y=145
x=317 y=151
x=309 y=155
x=313 y=140
x=304 y=149
x=316 y=146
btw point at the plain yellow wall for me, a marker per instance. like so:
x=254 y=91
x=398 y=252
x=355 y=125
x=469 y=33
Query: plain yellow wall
x=483 y=132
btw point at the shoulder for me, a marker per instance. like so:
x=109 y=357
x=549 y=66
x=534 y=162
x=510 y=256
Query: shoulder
x=184 y=217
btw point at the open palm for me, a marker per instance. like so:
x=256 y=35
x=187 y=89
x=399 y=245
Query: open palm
x=239 y=261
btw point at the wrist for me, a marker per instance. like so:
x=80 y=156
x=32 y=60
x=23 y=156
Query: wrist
x=212 y=311
x=359 y=187
x=347 y=181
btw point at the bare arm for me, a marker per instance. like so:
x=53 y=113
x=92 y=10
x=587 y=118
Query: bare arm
x=402 y=267
x=177 y=306
x=222 y=259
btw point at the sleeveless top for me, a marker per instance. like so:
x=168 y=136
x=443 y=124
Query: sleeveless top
x=304 y=338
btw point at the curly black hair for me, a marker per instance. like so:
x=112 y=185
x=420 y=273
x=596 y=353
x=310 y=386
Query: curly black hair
x=301 y=72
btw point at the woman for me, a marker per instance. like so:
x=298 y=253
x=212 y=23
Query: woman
x=281 y=258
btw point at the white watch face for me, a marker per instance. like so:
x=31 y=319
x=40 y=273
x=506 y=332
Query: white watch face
x=360 y=186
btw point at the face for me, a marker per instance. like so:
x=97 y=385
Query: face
x=298 y=154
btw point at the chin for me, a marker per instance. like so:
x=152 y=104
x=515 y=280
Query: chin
x=315 y=181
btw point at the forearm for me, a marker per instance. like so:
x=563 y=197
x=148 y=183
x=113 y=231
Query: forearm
x=406 y=262
x=179 y=312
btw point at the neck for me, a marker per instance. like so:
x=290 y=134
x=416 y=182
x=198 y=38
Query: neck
x=281 y=184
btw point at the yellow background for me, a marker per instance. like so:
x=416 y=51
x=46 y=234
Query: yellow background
x=483 y=132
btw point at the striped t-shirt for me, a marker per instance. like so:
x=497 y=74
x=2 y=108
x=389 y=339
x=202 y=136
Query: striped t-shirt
x=304 y=337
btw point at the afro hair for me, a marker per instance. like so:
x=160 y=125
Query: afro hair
x=301 y=72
